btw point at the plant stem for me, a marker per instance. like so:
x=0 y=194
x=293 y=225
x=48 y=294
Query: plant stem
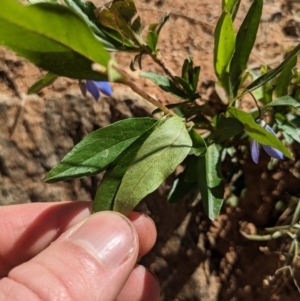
x=240 y=95
x=256 y=103
x=125 y=80
x=157 y=59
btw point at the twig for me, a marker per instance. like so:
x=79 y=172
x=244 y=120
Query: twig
x=256 y=103
x=125 y=80
x=167 y=70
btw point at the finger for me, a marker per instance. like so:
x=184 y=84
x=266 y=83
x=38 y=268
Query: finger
x=146 y=230
x=91 y=261
x=141 y=285
x=27 y=229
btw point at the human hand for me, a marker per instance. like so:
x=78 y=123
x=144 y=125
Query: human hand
x=57 y=251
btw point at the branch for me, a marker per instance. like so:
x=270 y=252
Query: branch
x=125 y=80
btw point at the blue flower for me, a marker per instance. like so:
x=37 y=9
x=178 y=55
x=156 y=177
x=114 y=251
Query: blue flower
x=95 y=87
x=271 y=151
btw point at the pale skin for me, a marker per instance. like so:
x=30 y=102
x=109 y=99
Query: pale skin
x=58 y=251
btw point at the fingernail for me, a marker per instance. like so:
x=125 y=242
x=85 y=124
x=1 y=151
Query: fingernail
x=108 y=236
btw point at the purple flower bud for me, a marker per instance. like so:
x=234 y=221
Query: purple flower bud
x=271 y=151
x=254 y=148
x=95 y=87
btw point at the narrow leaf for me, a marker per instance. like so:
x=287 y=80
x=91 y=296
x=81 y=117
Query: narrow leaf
x=164 y=83
x=226 y=127
x=199 y=145
x=185 y=68
x=64 y=45
x=137 y=58
x=210 y=181
x=232 y=6
x=288 y=127
x=244 y=43
x=98 y=149
x=196 y=74
x=257 y=132
x=272 y=73
x=284 y=78
x=181 y=109
x=186 y=86
x=224 y=44
x=152 y=39
x=158 y=157
x=282 y=101
x=38 y=1
x=267 y=89
x=162 y=23
x=45 y=81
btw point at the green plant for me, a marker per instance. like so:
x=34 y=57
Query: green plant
x=138 y=154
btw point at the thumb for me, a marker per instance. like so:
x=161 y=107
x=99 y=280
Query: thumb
x=91 y=261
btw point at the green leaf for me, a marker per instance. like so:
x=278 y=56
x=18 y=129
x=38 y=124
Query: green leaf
x=267 y=88
x=45 y=81
x=226 y=127
x=232 y=6
x=181 y=109
x=137 y=27
x=295 y=119
x=272 y=73
x=287 y=127
x=164 y=83
x=282 y=101
x=107 y=38
x=162 y=23
x=154 y=31
x=191 y=169
x=63 y=45
x=39 y=1
x=257 y=132
x=180 y=189
x=210 y=181
x=113 y=176
x=189 y=76
x=224 y=44
x=245 y=40
x=98 y=149
x=196 y=74
x=137 y=58
x=284 y=78
x=105 y=194
x=185 y=70
x=158 y=157
x=118 y=15
x=199 y=145
x=152 y=39
x=187 y=86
